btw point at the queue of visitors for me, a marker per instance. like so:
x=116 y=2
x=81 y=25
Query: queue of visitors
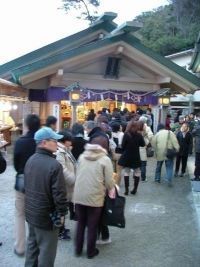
x=75 y=168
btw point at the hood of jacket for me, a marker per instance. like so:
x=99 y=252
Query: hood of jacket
x=94 y=152
x=61 y=148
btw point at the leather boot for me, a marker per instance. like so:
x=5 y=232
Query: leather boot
x=126 y=183
x=136 y=183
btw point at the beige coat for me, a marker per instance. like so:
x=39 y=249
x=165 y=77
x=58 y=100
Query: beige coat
x=93 y=177
x=148 y=135
x=68 y=163
x=159 y=142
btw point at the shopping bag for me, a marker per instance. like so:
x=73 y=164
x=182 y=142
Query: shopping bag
x=114 y=209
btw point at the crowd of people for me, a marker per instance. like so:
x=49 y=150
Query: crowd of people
x=72 y=170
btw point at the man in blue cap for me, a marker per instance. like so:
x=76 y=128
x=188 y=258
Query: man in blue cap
x=45 y=199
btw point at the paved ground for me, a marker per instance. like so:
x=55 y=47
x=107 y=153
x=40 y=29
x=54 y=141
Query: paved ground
x=162 y=228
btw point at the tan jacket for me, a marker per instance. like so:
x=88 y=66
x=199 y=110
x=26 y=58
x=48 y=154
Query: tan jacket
x=160 y=144
x=68 y=163
x=93 y=177
x=148 y=135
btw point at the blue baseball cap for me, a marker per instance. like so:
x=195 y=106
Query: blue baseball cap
x=46 y=133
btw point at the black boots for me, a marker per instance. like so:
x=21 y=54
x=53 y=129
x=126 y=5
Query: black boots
x=126 y=183
x=136 y=183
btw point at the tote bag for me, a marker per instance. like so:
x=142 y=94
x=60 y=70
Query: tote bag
x=114 y=211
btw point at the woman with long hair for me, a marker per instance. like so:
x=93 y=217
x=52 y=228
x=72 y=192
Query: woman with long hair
x=130 y=158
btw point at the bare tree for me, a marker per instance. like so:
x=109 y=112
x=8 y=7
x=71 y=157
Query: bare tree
x=85 y=7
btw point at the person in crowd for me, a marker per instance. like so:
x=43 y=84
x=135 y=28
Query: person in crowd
x=91 y=115
x=179 y=113
x=68 y=162
x=147 y=134
x=78 y=142
x=125 y=115
x=102 y=118
x=117 y=136
x=116 y=118
x=123 y=126
x=51 y=122
x=45 y=184
x=94 y=176
x=149 y=112
x=191 y=124
x=184 y=138
x=196 y=135
x=89 y=126
x=3 y=166
x=168 y=122
x=132 y=141
x=139 y=112
x=163 y=140
x=24 y=148
x=175 y=127
x=99 y=112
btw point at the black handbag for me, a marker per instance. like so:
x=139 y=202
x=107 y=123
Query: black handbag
x=170 y=152
x=113 y=212
x=150 y=151
x=19 y=183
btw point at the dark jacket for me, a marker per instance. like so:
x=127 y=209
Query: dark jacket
x=130 y=146
x=78 y=145
x=3 y=163
x=24 y=148
x=196 y=134
x=184 y=143
x=45 y=189
x=91 y=116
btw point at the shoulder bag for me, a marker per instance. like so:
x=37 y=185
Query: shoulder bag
x=170 y=152
x=150 y=151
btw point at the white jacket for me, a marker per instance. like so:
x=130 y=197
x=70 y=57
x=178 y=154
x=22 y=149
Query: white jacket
x=94 y=175
x=148 y=135
x=68 y=162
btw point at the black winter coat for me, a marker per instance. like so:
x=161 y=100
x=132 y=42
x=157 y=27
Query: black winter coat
x=184 y=143
x=130 y=146
x=45 y=189
x=78 y=145
x=24 y=148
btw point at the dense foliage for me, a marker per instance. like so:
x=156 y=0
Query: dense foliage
x=172 y=28
x=167 y=29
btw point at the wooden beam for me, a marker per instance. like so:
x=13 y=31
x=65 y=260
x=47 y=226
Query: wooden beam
x=80 y=77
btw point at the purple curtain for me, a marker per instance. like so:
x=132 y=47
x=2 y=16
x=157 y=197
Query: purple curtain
x=90 y=95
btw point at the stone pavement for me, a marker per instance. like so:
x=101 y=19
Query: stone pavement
x=162 y=229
